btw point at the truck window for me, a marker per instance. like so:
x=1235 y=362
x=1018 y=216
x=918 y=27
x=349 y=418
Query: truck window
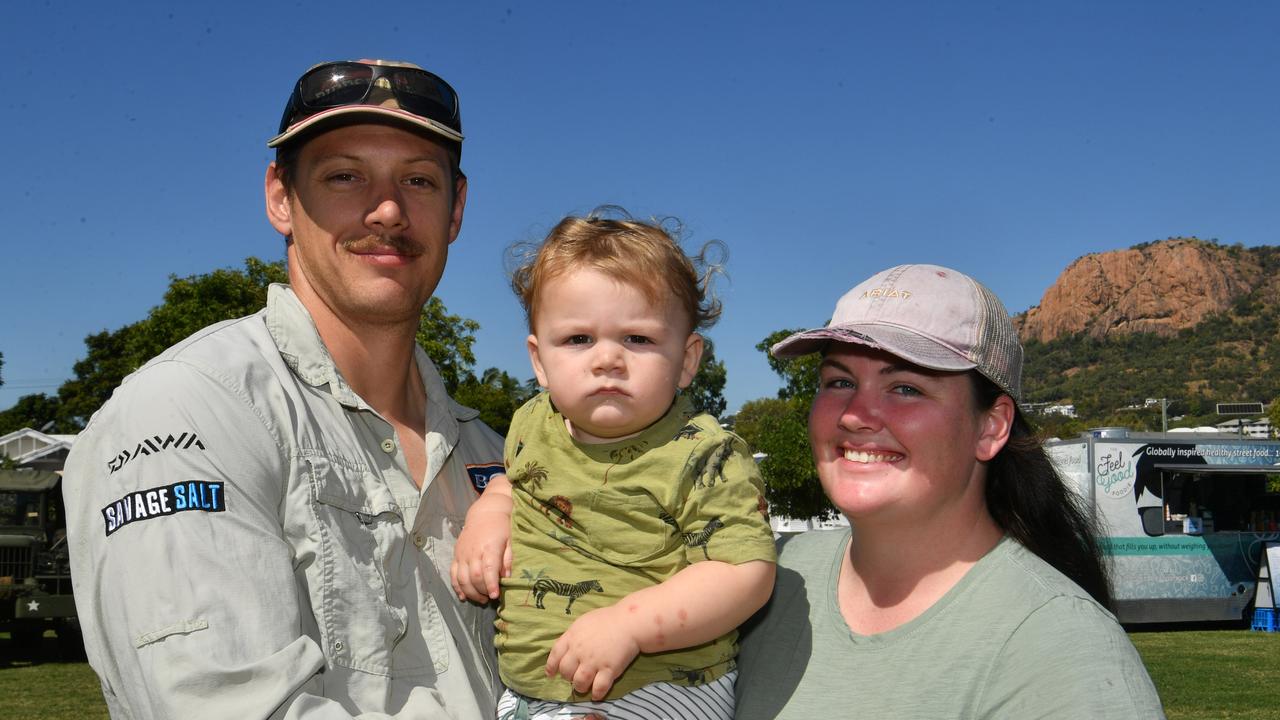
x=1215 y=502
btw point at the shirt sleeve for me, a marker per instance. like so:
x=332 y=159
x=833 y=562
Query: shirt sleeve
x=724 y=515
x=1070 y=659
x=183 y=578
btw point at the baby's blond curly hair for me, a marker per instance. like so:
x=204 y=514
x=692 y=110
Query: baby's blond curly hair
x=642 y=254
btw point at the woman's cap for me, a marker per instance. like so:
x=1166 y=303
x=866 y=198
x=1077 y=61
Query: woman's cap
x=932 y=316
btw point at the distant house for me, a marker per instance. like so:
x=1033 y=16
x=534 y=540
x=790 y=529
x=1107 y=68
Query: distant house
x=790 y=526
x=1258 y=428
x=1044 y=408
x=33 y=449
x=1065 y=410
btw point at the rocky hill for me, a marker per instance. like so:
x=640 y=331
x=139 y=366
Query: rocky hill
x=1186 y=319
x=1159 y=287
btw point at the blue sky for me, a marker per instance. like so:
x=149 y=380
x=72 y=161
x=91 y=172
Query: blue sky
x=820 y=141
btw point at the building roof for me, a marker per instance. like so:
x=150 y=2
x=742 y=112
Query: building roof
x=27 y=445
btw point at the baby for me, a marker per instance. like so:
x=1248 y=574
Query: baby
x=630 y=532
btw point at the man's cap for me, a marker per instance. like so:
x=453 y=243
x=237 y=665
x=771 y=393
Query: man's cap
x=931 y=316
x=380 y=103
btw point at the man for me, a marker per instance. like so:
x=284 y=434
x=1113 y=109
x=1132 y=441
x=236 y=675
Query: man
x=262 y=518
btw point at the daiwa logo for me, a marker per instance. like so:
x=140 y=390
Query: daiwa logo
x=155 y=444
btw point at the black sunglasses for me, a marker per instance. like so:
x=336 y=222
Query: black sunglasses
x=337 y=84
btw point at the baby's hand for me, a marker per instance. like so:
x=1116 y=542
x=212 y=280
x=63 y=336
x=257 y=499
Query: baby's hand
x=482 y=554
x=594 y=651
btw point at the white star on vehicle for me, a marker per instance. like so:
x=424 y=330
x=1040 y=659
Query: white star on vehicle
x=33 y=606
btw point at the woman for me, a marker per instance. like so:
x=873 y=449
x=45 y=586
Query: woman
x=971 y=585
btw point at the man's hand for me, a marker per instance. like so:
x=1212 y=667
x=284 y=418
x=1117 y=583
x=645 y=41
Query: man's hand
x=594 y=651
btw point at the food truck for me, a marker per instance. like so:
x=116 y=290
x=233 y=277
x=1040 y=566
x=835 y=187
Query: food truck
x=1183 y=517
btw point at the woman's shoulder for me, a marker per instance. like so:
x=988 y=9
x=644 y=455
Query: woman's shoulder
x=1042 y=582
x=814 y=548
x=1021 y=596
x=1057 y=630
x=1043 y=606
x=1069 y=637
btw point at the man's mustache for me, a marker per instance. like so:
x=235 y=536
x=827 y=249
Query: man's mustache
x=398 y=244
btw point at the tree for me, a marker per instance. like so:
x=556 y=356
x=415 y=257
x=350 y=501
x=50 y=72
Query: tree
x=706 y=392
x=448 y=340
x=778 y=428
x=97 y=375
x=192 y=303
x=799 y=375
x=496 y=395
x=1 y=369
x=195 y=302
x=33 y=411
x=1057 y=426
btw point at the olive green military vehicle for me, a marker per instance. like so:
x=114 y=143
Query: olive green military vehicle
x=35 y=573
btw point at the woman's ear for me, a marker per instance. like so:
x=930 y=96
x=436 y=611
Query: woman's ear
x=997 y=423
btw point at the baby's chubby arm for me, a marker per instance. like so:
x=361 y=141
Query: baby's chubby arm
x=696 y=605
x=483 y=550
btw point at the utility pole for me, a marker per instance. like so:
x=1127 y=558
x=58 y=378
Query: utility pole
x=1164 y=414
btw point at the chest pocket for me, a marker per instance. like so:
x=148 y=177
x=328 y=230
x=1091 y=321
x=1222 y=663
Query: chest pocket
x=364 y=586
x=628 y=529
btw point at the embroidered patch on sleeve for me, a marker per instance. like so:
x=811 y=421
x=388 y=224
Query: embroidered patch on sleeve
x=202 y=495
x=482 y=473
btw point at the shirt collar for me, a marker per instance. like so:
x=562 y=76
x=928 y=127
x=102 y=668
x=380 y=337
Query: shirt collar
x=299 y=343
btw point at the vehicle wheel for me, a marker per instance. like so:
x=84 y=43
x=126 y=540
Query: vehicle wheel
x=27 y=639
x=70 y=641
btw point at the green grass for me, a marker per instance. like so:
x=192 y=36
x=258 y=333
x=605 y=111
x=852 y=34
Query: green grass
x=51 y=691
x=1214 y=673
x=1200 y=674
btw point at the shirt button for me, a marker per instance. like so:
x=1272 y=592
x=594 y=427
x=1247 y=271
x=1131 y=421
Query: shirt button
x=338 y=646
x=419 y=540
x=389 y=445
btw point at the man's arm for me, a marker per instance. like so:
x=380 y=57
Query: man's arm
x=696 y=605
x=184 y=579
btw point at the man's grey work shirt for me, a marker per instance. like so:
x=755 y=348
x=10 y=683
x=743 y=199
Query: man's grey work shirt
x=246 y=541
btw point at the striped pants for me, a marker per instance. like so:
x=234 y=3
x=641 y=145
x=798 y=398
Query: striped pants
x=659 y=701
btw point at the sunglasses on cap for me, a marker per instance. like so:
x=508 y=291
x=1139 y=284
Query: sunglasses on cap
x=344 y=84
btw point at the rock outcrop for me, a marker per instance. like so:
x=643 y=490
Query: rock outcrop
x=1158 y=287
